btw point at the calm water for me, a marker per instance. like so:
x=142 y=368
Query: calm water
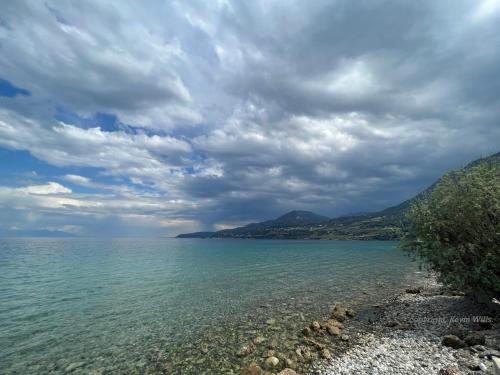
x=174 y=305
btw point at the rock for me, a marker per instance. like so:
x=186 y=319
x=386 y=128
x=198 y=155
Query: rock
x=274 y=343
x=350 y=313
x=482 y=367
x=259 y=340
x=204 y=348
x=315 y=325
x=461 y=333
x=304 y=353
x=252 y=369
x=413 y=290
x=332 y=330
x=335 y=323
x=496 y=365
x=287 y=371
x=450 y=370
x=490 y=353
x=475 y=338
x=289 y=363
x=339 y=313
x=271 y=322
x=480 y=348
x=453 y=342
x=392 y=323
x=344 y=337
x=74 y=366
x=306 y=331
x=246 y=350
x=325 y=353
x=272 y=362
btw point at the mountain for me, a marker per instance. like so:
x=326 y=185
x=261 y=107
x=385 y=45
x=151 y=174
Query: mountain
x=382 y=225
x=196 y=235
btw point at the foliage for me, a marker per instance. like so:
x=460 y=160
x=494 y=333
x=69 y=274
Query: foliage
x=455 y=229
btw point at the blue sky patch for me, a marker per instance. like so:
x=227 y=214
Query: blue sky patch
x=9 y=90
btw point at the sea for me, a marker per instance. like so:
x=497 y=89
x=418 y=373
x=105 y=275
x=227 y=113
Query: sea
x=177 y=306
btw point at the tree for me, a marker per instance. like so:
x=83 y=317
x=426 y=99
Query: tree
x=455 y=229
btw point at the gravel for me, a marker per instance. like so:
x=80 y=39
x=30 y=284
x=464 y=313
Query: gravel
x=405 y=338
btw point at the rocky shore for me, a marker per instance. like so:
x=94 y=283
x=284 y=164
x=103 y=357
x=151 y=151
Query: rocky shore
x=427 y=329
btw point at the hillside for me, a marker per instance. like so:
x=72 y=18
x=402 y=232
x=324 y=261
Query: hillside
x=382 y=225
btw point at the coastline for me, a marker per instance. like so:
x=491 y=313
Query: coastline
x=405 y=336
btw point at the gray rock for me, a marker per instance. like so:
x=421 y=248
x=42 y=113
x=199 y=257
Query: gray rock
x=453 y=342
x=272 y=362
x=475 y=338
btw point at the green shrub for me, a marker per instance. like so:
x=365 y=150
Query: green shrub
x=455 y=229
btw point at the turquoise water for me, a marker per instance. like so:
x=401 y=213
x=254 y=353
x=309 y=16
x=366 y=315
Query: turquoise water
x=182 y=306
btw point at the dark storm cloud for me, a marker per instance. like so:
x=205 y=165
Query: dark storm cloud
x=245 y=110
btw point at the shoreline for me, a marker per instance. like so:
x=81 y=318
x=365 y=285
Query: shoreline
x=404 y=335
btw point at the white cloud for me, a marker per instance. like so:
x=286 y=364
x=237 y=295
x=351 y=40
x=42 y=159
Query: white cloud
x=47 y=189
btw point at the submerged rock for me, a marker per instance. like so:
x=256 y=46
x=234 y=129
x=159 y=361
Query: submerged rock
x=335 y=323
x=252 y=369
x=333 y=330
x=74 y=366
x=306 y=331
x=259 y=340
x=339 y=313
x=315 y=325
x=246 y=350
x=272 y=362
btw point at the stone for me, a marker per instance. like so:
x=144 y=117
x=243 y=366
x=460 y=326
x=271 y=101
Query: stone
x=274 y=343
x=204 y=348
x=287 y=371
x=306 y=331
x=272 y=362
x=271 y=322
x=259 y=340
x=332 y=330
x=289 y=363
x=335 y=323
x=315 y=325
x=482 y=367
x=392 y=323
x=74 y=366
x=350 y=313
x=339 y=313
x=450 y=370
x=475 y=338
x=325 y=353
x=246 y=350
x=496 y=365
x=344 y=337
x=453 y=342
x=252 y=369
x=461 y=333
x=413 y=290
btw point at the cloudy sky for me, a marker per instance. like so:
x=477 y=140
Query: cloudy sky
x=156 y=117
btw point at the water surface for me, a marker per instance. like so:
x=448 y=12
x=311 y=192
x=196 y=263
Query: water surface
x=182 y=306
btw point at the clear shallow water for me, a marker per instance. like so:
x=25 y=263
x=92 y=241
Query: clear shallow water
x=182 y=306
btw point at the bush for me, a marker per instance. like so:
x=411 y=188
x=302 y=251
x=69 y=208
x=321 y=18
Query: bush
x=455 y=229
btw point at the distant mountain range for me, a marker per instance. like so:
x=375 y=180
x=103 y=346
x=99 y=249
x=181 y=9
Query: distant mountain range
x=382 y=225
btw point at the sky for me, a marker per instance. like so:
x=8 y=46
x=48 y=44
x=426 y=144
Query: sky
x=152 y=118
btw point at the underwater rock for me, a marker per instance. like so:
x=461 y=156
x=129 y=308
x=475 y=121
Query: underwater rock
x=339 y=313
x=272 y=362
x=315 y=325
